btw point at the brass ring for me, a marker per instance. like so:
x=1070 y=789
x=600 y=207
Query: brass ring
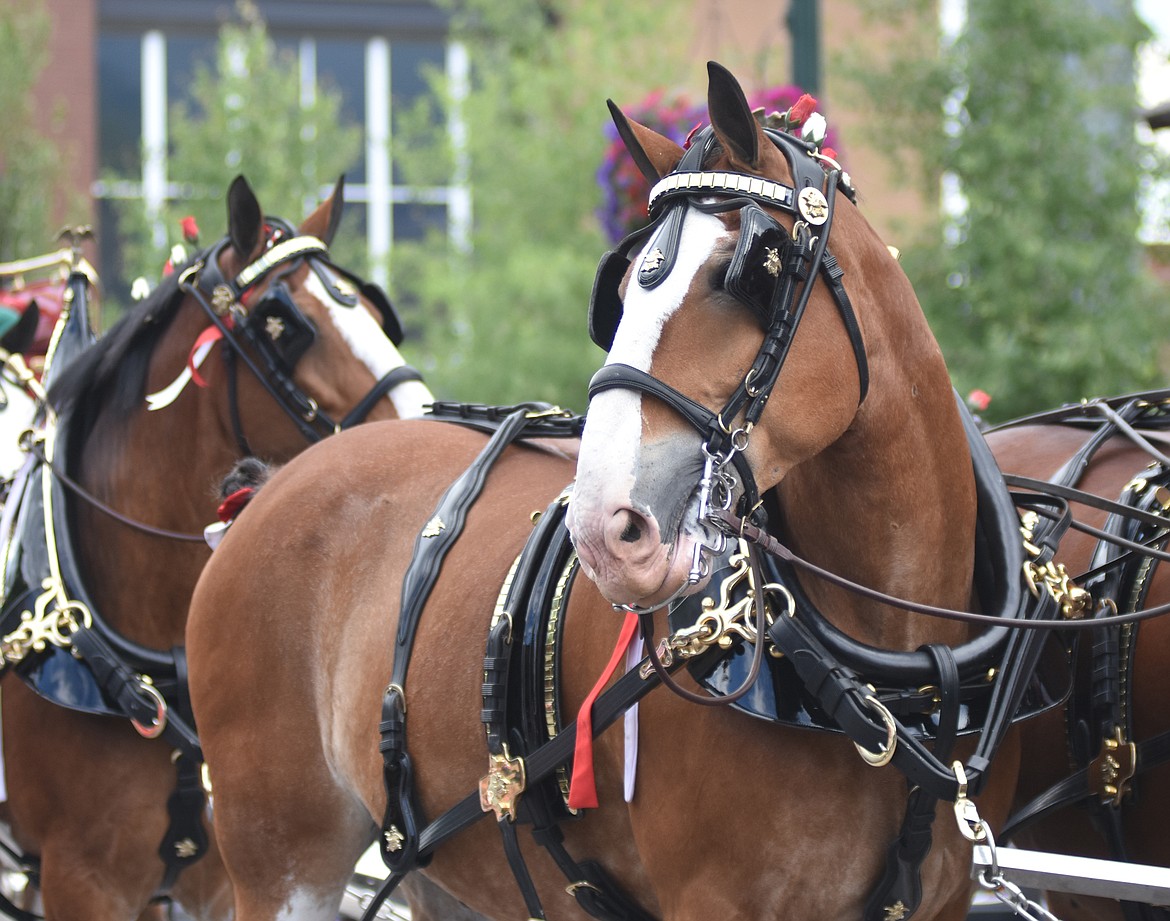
x=790 y=602
x=189 y=272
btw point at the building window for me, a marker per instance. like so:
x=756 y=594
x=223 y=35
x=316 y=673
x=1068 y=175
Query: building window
x=352 y=47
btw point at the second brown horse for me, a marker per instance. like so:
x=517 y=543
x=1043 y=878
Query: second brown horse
x=159 y=411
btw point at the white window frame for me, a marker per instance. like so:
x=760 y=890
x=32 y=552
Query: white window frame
x=378 y=193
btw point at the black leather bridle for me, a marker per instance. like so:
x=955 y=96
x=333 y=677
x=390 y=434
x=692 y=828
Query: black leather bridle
x=223 y=300
x=772 y=273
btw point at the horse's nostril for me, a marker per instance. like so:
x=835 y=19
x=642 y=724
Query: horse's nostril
x=632 y=533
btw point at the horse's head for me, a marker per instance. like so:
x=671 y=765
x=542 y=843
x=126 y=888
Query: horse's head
x=262 y=331
x=322 y=341
x=728 y=303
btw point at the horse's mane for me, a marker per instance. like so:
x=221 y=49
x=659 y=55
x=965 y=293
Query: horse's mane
x=112 y=372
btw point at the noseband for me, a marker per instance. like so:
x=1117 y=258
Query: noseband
x=279 y=332
x=772 y=273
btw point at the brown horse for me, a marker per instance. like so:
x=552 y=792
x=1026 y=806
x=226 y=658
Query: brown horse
x=861 y=457
x=259 y=346
x=1126 y=822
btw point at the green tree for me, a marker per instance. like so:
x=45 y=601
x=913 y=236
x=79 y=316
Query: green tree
x=1035 y=287
x=247 y=117
x=504 y=319
x=29 y=161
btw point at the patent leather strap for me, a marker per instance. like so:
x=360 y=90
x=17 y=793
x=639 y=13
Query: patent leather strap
x=1077 y=787
x=385 y=384
x=613 y=702
x=802 y=260
x=401 y=824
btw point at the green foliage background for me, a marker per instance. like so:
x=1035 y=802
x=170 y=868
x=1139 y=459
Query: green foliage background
x=30 y=166
x=1038 y=293
x=248 y=118
x=505 y=320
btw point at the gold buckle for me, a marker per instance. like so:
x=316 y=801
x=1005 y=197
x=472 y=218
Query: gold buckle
x=500 y=788
x=1113 y=768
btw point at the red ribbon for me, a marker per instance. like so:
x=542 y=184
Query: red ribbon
x=211 y=334
x=234 y=504
x=583 y=789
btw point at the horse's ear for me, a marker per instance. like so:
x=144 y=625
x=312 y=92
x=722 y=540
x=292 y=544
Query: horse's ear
x=653 y=154
x=731 y=117
x=323 y=222
x=245 y=220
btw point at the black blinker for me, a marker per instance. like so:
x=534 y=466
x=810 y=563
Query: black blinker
x=605 y=304
x=280 y=329
x=760 y=253
x=391 y=324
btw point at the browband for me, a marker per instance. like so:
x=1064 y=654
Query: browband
x=741 y=184
x=283 y=251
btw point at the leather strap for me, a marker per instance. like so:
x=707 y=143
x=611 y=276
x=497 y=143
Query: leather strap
x=401 y=823
x=520 y=869
x=386 y=383
x=618 y=698
x=902 y=881
x=1075 y=788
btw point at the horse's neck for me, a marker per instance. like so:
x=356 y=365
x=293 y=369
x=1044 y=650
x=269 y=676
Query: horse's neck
x=891 y=505
x=161 y=469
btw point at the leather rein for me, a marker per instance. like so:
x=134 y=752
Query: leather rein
x=769 y=544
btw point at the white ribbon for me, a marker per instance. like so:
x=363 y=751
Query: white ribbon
x=165 y=397
x=633 y=658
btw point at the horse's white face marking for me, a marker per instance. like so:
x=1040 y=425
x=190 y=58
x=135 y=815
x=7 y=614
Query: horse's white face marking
x=613 y=469
x=646 y=311
x=611 y=454
x=373 y=348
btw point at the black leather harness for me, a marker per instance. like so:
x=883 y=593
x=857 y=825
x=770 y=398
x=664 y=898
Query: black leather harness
x=223 y=300
x=401 y=826
x=930 y=696
x=771 y=273
x=834 y=671
x=1104 y=753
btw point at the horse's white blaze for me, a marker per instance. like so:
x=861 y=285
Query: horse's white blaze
x=613 y=428
x=373 y=348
